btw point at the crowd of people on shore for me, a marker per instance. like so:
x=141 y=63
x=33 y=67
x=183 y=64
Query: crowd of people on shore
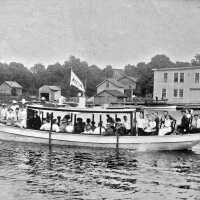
x=14 y=114
x=145 y=124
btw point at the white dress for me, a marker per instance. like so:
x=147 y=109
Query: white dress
x=166 y=128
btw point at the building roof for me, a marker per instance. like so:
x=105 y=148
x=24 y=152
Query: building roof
x=51 y=87
x=128 y=77
x=55 y=88
x=114 y=93
x=177 y=68
x=13 y=84
x=113 y=81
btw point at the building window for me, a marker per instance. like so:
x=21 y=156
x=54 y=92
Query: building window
x=196 y=77
x=181 y=77
x=175 y=92
x=176 y=77
x=107 y=84
x=165 y=77
x=180 y=92
x=164 y=93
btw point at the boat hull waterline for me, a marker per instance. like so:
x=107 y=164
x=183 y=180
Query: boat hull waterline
x=139 y=143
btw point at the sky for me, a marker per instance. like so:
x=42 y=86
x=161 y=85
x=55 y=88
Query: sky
x=101 y=32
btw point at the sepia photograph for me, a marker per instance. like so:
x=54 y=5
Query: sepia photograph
x=100 y=100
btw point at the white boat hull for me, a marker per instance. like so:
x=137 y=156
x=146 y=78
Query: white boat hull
x=139 y=143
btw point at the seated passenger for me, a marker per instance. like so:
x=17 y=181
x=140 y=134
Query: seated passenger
x=93 y=125
x=141 y=124
x=10 y=117
x=165 y=114
x=22 y=118
x=151 y=126
x=195 y=124
x=88 y=126
x=46 y=126
x=100 y=129
x=36 y=121
x=127 y=125
x=110 y=126
x=120 y=127
x=64 y=123
x=4 y=111
x=166 y=127
x=55 y=126
x=79 y=126
x=185 y=123
x=157 y=120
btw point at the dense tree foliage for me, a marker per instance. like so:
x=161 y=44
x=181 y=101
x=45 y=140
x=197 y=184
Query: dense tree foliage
x=59 y=74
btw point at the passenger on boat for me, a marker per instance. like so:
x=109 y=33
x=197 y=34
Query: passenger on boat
x=64 y=123
x=127 y=125
x=100 y=129
x=36 y=121
x=55 y=127
x=10 y=117
x=21 y=117
x=151 y=126
x=14 y=105
x=4 y=111
x=141 y=124
x=88 y=126
x=93 y=125
x=79 y=126
x=185 y=123
x=166 y=127
x=195 y=124
x=157 y=120
x=110 y=126
x=46 y=126
x=119 y=127
x=165 y=114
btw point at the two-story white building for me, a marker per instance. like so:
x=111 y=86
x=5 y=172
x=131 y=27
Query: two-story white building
x=177 y=85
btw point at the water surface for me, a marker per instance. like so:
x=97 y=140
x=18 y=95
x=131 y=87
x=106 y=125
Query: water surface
x=28 y=171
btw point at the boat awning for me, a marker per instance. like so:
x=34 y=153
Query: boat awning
x=82 y=110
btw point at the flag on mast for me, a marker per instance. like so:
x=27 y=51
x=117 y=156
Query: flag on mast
x=76 y=82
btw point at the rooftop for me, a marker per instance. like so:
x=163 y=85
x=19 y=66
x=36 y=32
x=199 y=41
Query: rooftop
x=13 y=84
x=177 y=68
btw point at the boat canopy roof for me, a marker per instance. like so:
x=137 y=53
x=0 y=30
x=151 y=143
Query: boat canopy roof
x=81 y=110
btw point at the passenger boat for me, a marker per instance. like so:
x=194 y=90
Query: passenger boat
x=139 y=143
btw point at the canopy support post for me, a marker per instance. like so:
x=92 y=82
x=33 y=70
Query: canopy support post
x=131 y=123
x=50 y=132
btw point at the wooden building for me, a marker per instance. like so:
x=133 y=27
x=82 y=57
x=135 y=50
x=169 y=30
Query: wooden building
x=11 y=88
x=117 y=89
x=51 y=93
x=177 y=85
x=108 y=97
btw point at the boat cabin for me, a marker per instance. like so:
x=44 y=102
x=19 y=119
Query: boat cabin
x=98 y=117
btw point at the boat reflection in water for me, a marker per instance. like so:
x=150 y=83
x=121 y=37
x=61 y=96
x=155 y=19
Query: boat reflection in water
x=29 y=171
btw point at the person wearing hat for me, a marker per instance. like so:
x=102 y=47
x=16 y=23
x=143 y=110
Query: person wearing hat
x=195 y=124
x=10 y=116
x=14 y=105
x=185 y=123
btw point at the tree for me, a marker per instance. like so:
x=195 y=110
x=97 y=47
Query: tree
x=108 y=71
x=196 y=60
x=38 y=68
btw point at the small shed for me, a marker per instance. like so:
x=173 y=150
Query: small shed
x=51 y=93
x=11 y=88
x=108 y=97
